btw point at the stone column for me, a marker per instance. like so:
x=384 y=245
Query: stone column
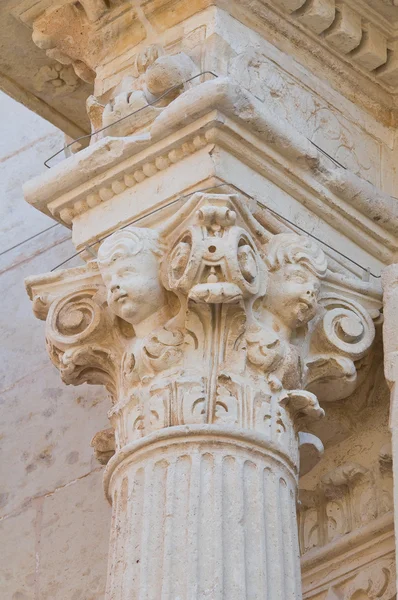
x=390 y=342
x=212 y=343
x=214 y=329
x=203 y=512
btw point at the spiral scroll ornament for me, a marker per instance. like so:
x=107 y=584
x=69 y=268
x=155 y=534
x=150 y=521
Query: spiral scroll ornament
x=74 y=318
x=75 y=332
x=347 y=327
x=339 y=341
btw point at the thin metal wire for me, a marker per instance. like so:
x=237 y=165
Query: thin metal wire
x=211 y=187
x=166 y=93
x=366 y=269
x=336 y=162
x=30 y=238
x=89 y=135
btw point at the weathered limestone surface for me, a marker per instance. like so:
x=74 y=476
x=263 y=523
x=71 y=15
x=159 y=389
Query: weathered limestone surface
x=351 y=43
x=346 y=502
x=390 y=287
x=221 y=331
x=190 y=326
x=75 y=520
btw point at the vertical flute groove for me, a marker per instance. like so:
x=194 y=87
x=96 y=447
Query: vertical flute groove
x=158 y=529
x=203 y=523
x=136 y=514
x=146 y=525
x=255 y=559
x=195 y=495
x=167 y=555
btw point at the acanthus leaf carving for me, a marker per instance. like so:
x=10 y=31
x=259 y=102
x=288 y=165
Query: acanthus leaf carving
x=303 y=405
x=76 y=329
x=104 y=445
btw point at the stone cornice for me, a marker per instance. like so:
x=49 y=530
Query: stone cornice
x=218 y=115
x=351 y=31
x=348 y=43
x=355 y=42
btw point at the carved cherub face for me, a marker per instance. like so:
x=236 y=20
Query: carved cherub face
x=296 y=265
x=293 y=293
x=129 y=267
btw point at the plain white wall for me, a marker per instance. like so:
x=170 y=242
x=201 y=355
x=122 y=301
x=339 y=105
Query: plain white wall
x=54 y=519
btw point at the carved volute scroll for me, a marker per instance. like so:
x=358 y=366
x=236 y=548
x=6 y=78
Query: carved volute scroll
x=209 y=320
x=78 y=331
x=340 y=342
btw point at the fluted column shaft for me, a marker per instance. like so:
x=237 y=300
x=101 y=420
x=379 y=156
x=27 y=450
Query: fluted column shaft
x=202 y=513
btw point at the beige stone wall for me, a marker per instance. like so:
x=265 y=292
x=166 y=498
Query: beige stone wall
x=54 y=518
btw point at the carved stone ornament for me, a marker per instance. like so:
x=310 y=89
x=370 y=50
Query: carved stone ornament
x=56 y=80
x=154 y=80
x=376 y=581
x=213 y=338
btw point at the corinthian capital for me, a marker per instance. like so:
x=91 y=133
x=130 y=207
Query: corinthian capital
x=208 y=320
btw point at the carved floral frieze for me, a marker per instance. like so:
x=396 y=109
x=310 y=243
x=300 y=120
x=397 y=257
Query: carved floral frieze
x=346 y=499
x=208 y=320
x=376 y=580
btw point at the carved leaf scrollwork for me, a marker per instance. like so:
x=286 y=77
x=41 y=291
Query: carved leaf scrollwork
x=163 y=349
x=376 y=581
x=302 y=405
x=339 y=341
x=76 y=329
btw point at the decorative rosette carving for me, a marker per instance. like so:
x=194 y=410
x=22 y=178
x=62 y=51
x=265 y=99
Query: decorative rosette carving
x=216 y=261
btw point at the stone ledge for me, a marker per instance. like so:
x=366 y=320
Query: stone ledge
x=219 y=113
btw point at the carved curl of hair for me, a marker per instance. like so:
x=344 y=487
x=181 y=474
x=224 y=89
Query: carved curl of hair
x=128 y=242
x=291 y=248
